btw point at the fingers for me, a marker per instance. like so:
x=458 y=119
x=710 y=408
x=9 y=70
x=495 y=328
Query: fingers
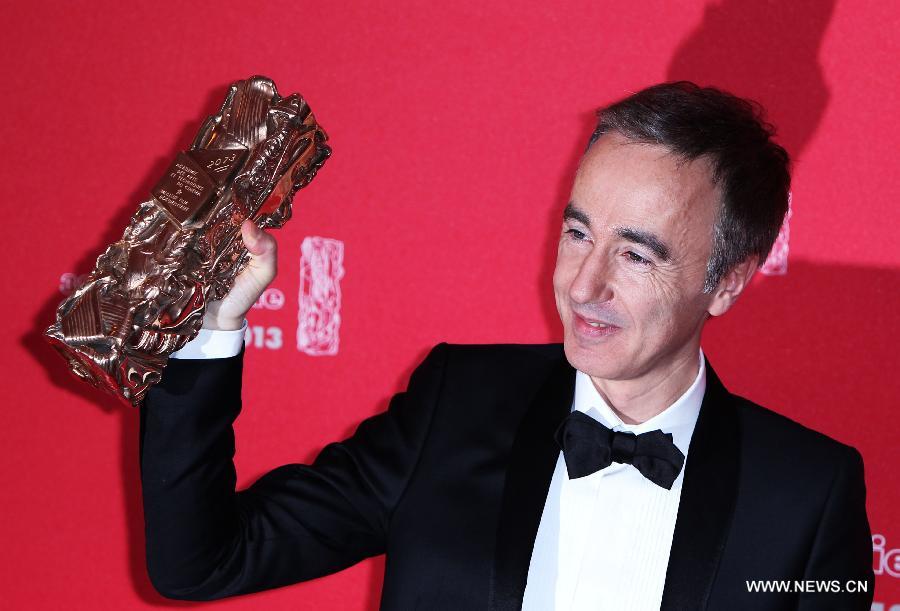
x=257 y=241
x=263 y=265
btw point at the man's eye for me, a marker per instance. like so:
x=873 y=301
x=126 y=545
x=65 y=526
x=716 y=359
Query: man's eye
x=577 y=235
x=633 y=256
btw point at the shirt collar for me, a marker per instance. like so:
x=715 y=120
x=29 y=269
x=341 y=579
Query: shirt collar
x=678 y=419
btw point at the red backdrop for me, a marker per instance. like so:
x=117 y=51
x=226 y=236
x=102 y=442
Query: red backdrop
x=456 y=129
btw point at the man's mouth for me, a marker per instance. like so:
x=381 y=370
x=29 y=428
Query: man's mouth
x=593 y=327
x=594 y=322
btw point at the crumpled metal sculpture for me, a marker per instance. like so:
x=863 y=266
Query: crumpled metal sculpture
x=182 y=248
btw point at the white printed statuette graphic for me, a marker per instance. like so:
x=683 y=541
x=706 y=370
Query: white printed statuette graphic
x=319 y=313
x=776 y=262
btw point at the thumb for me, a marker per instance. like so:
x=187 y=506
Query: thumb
x=257 y=241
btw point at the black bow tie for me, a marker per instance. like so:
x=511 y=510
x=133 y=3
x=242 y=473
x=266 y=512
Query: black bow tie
x=588 y=446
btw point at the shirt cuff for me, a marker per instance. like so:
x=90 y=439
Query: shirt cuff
x=213 y=344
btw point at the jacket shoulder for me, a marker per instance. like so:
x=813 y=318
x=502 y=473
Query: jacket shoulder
x=769 y=433
x=496 y=370
x=494 y=359
x=515 y=351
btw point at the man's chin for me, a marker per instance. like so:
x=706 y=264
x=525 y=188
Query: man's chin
x=595 y=362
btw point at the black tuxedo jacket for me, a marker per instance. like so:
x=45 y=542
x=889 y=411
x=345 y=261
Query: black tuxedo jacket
x=450 y=484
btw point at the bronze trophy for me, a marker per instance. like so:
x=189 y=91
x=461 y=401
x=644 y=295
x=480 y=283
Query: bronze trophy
x=146 y=296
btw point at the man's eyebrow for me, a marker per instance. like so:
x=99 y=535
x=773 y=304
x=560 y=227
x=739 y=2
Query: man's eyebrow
x=632 y=234
x=645 y=238
x=576 y=214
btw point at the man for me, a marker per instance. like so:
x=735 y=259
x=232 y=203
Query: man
x=611 y=472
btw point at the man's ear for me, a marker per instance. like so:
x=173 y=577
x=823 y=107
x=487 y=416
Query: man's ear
x=732 y=285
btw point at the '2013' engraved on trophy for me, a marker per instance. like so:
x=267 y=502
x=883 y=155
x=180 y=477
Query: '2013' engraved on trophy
x=192 y=181
x=319 y=312
x=223 y=163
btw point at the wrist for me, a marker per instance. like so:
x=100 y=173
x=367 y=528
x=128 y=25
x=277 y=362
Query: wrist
x=216 y=323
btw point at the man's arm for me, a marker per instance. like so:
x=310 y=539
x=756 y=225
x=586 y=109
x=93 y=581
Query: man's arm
x=842 y=550
x=297 y=522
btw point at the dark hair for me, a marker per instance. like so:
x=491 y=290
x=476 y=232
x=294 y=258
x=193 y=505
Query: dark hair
x=751 y=170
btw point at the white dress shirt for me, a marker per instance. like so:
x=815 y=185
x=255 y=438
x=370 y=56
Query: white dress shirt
x=210 y=344
x=604 y=540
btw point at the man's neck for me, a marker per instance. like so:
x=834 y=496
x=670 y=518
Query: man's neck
x=636 y=401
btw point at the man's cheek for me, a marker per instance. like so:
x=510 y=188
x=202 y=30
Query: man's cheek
x=662 y=298
x=561 y=284
x=560 y=309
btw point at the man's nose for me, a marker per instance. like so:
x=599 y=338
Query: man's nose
x=592 y=283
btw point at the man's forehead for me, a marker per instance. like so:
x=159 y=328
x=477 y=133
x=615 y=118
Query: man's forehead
x=646 y=182
x=617 y=158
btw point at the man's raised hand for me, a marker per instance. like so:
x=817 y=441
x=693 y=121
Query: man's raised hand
x=228 y=314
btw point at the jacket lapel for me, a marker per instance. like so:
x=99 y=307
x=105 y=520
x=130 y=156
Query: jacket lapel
x=532 y=460
x=708 y=495
x=708 y=498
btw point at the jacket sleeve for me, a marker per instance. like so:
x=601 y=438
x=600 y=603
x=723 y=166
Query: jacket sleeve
x=842 y=551
x=297 y=522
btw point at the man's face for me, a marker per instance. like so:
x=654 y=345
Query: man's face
x=633 y=250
